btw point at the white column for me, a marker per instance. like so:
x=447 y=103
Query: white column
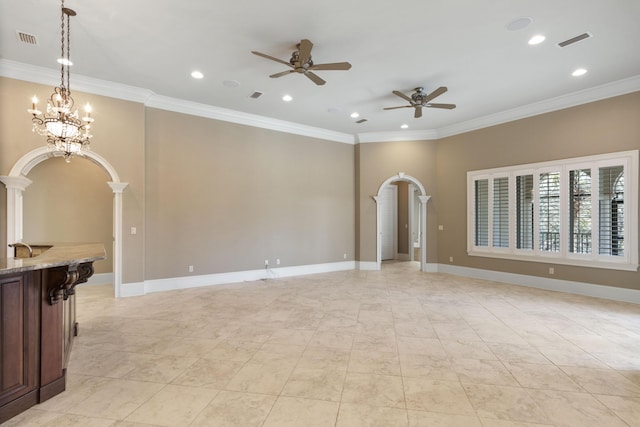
x=423 y=235
x=118 y=188
x=378 y=232
x=15 y=187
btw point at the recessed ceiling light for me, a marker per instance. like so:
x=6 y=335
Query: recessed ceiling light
x=404 y=126
x=355 y=115
x=197 y=74
x=519 y=24
x=64 y=61
x=287 y=98
x=537 y=39
x=579 y=72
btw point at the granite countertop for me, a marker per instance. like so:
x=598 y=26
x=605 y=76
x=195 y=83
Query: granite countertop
x=59 y=254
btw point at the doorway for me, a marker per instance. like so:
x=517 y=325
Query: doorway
x=385 y=207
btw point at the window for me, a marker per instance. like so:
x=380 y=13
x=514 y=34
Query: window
x=581 y=211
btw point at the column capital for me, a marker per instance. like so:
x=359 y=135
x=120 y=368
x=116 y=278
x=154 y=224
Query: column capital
x=118 y=187
x=424 y=199
x=20 y=182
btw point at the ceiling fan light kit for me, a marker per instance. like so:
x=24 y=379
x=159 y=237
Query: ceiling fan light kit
x=419 y=99
x=302 y=63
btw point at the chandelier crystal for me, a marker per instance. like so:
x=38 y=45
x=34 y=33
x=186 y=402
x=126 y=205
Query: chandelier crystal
x=65 y=130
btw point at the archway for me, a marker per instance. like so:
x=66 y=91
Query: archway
x=17 y=182
x=423 y=217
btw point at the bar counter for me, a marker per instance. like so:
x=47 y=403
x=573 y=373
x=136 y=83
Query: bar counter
x=38 y=320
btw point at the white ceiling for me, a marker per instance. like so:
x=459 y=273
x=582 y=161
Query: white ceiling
x=392 y=45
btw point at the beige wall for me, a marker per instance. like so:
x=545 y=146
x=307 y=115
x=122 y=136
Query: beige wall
x=224 y=197
x=382 y=160
x=70 y=202
x=601 y=127
x=118 y=137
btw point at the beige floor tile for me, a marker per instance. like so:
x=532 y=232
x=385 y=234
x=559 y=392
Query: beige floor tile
x=436 y=396
x=352 y=415
x=116 y=399
x=240 y=351
x=209 y=373
x=299 y=336
x=332 y=339
x=320 y=384
x=374 y=362
x=569 y=409
x=373 y=390
x=260 y=378
x=434 y=419
x=547 y=377
x=467 y=349
x=234 y=409
x=505 y=403
x=627 y=408
x=477 y=371
x=295 y=412
x=173 y=406
x=39 y=418
x=602 y=381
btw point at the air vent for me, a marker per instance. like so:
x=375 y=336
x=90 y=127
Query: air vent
x=27 y=38
x=256 y=94
x=575 y=39
x=361 y=121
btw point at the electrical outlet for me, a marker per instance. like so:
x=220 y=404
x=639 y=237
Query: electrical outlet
x=278 y=261
x=450 y=259
x=552 y=270
x=266 y=263
x=441 y=227
x=134 y=230
x=191 y=269
x=344 y=256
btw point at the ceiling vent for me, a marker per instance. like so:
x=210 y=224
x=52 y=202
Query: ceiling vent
x=256 y=94
x=575 y=39
x=27 y=38
x=361 y=121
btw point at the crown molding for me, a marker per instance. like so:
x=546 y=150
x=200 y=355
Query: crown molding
x=47 y=76
x=585 y=96
x=227 y=115
x=414 y=135
x=35 y=74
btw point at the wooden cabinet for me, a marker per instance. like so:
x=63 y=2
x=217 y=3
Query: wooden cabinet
x=19 y=346
x=37 y=327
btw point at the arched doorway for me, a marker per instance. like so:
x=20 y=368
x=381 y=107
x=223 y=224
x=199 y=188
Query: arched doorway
x=423 y=217
x=17 y=182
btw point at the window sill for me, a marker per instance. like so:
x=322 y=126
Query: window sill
x=556 y=259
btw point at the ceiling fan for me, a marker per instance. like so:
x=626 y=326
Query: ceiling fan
x=301 y=62
x=420 y=99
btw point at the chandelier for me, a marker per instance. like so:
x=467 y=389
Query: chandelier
x=66 y=132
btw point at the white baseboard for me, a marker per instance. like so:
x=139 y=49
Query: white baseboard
x=174 y=283
x=579 y=288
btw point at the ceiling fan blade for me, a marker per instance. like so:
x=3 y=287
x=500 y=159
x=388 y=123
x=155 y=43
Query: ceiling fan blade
x=401 y=95
x=284 y=73
x=264 y=55
x=305 y=51
x=435 y=94
x=332 y=66
x=447 y=106
x=314 y=78
x=393 y=108
x=418 y=113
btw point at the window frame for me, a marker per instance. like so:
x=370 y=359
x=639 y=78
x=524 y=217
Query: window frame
x=627 y=262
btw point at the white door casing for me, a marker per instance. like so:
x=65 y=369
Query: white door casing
x=389 y=223
x=17 y=182
x=401 y=176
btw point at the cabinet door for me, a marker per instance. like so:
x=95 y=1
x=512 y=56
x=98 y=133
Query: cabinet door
x=19 y=302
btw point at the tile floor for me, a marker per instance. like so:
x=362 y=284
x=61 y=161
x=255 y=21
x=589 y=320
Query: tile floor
x=390 y=348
